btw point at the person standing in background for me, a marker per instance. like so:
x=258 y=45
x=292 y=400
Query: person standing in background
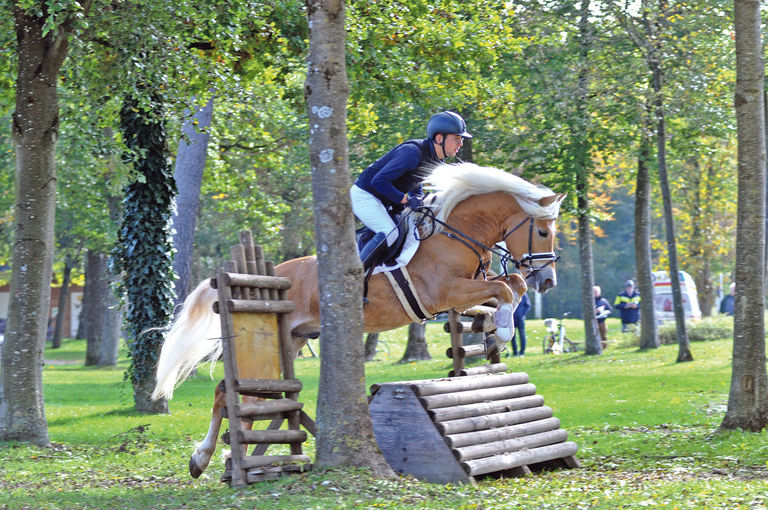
x=628 y=304
x=728 y=302
x=602 y=310
x=519 y=317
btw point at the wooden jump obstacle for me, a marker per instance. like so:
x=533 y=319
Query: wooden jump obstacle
x=456 y=429
x=482 y=322
x=255 y=343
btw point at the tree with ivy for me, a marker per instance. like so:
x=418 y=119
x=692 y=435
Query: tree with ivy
x=143 y=253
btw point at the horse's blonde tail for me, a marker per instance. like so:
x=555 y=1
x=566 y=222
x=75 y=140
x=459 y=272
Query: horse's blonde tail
x=194 y=336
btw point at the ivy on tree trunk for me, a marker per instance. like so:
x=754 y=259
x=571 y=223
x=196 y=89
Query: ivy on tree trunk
x=144 y=253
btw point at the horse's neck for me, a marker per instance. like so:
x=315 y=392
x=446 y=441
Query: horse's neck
x=484 y=217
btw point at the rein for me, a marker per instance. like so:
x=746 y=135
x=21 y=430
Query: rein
x=527 y=261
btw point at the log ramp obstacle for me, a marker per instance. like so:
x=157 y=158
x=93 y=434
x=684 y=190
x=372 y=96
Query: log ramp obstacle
x=256 y=350
x=479 y=421
x=456 y=429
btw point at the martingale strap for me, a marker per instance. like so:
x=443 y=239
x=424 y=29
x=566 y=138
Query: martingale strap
x=406 y=293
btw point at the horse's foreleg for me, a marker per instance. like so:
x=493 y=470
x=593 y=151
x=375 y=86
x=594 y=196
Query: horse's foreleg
x=204 y=451
x=508 y=293
x=503 y=318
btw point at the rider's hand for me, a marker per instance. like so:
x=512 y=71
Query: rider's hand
x=415 y=202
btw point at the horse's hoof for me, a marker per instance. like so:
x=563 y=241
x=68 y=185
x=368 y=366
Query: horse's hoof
x=194 y=469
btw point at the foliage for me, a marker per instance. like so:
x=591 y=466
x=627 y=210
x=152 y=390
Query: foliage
x=645 y=440
x=143 y=252
x=704 y=330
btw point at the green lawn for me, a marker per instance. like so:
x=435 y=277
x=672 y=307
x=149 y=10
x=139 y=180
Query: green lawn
x=644 y=425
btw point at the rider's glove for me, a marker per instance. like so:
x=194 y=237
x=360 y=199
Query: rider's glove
x=415 y=202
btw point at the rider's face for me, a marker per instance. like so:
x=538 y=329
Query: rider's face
x=452 y=144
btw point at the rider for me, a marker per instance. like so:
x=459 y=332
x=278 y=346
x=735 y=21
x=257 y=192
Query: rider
x=395 y=179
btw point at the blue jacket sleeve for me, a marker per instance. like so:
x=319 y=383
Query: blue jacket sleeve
x=405 y=159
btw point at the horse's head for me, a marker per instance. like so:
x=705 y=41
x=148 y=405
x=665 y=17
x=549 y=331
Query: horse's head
x=532 y=243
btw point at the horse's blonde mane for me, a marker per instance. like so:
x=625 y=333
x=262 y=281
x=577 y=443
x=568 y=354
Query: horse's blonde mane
x=455 y=183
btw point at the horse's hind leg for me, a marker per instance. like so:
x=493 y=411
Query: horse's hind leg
x=201 y=457
x=204 y=451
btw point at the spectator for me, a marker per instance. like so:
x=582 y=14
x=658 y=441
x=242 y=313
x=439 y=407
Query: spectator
x=519 y=316
x=727 y=304
x=602 y=310
x=628 y=303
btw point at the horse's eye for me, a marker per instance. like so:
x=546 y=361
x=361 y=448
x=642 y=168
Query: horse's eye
x=543 y=233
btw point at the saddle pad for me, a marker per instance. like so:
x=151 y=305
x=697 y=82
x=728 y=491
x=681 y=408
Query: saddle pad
x=408 y=251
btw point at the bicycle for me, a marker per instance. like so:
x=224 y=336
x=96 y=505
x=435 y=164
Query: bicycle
x=556 y=341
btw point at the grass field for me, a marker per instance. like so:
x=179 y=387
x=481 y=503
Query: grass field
x=644 y=425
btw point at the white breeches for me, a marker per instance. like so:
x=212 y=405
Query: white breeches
x=372 y=213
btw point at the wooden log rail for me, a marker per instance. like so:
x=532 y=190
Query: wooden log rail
x=490 y=421
x=520 y=458
x=490 y=368
x=455 y=385
x=498 y=434
x=483 y=408
x=479 y=395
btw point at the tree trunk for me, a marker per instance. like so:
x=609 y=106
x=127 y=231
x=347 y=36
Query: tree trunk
x=592 y=343
x=684 y=349
x=344 y=429
x=101 y=312
x=190 y=163
x=416 y=349
x=649 y=338
x=747 y=402
x=143 y=254
x=35 y=129
x=371 y=342
x=63 y=302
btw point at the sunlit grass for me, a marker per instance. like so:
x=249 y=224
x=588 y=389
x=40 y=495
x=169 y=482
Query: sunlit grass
x=644 y=425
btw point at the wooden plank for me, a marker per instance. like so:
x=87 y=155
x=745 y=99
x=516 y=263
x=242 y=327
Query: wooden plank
x=465 y=351
x=511 y=460
x=489 y=368
x=483 y=408
x=230 y=374
x=308 y=423
x=275 y=424
x=494 y=420
x=469 y=383
x=456 y=342
x=478 y=395
x=257 y=281
x=251 y=462
x=259 y=306
x=477 y=451
x=255 y=409
x=408 y=439
x=254 y=386
x=256 y=345
x=506 y=432
x=272 y=436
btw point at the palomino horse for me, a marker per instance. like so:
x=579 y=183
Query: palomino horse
x=476 y=208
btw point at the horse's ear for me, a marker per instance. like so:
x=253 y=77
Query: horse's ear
x=544 y=202
x=561 y=196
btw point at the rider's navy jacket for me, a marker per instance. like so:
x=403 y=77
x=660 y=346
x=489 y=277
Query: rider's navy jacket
x=399 y=171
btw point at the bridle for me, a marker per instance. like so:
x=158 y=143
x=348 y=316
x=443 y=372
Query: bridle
x=526 y=264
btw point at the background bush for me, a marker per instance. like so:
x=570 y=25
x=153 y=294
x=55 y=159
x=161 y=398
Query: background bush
x=716 y=327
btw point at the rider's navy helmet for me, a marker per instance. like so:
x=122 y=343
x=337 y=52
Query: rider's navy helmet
x=447 y=123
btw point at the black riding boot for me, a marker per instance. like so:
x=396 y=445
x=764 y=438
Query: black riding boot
x=372 y=248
